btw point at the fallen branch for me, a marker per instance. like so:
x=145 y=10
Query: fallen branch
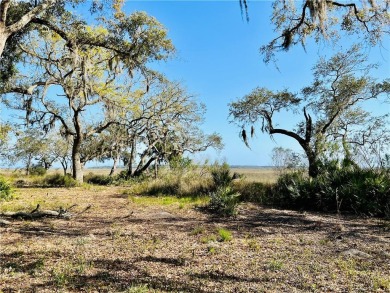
x=37 y=213
x=4 y=222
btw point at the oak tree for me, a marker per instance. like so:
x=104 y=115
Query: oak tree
x=341 y=86
x=88 y=66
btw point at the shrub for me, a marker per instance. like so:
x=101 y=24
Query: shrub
x=361 y=191
x=98 y=179
x=253 y=191
x=57 y=180
x=38 y=170
x=6 y=192
x=224 y=201
x=179 y=162
x=288 y=190
x=221 y=174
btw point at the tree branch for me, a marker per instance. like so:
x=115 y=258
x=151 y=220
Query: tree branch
x=355 y=11
x=25 y=19
x=291 y=134
x=3 y=10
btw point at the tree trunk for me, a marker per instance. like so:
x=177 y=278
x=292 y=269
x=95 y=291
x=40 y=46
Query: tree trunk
x=28 y=165
x=76 y=160
x=313 y=164
x=155 y=169
x=64 y=167
x=4 y=35
x=131 y=160
x=140 y=169
x=116 y=160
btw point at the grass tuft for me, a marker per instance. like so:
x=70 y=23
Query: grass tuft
x=224 y=235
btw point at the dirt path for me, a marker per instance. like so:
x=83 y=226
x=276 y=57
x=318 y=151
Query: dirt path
x=124 y=246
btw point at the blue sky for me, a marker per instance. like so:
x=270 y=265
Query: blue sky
x=218 y=59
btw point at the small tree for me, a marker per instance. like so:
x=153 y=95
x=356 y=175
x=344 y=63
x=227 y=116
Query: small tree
x=285 y=159
x=29 y=145
x=169 y=128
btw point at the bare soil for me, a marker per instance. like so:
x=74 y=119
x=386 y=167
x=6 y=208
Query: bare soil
x=122 y=245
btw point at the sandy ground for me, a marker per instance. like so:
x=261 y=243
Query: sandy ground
x=123 y=245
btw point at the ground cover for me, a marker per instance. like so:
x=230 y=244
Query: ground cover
x=129 y=243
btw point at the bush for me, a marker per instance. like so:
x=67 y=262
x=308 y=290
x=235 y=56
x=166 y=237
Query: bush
x=6 y=192
x=38 y=170
x=221 y=175
x=360 y=191
x=224 y=201
x=179 y=162
x=256 y=192
x=57 y=180
x=290 y=191
x=98 y=179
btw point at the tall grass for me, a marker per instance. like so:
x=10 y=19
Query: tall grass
x=181 y=183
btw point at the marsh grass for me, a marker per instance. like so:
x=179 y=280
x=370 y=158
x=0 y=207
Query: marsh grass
x=262 y=175
x=180 y=183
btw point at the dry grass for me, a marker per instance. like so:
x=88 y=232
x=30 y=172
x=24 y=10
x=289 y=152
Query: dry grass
x=126 y=243
x=263 y=175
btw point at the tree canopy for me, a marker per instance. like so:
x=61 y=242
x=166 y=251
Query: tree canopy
x=92 y=67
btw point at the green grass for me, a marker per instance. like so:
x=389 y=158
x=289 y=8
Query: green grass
x=208 y=239
x=139 y=289
x=224 y=235
x=275 y=265
x=168 y=200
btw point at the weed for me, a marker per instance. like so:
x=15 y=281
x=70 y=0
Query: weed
x=253 y=244
x=197 y=230
x=81 y=265
x=275 y=265
x=37 y=266
x=325 y=241
x=182 y=202
x=98 y=179
x=381 y=283
x=38 y=170
x=81 y=241
x=224 y=201
x=56 y=180
x=209 y=238
x=62 y=276
x=257 y=192
x=211 y=249
x=183 y=183
x=139 y=289
x=224 y=235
